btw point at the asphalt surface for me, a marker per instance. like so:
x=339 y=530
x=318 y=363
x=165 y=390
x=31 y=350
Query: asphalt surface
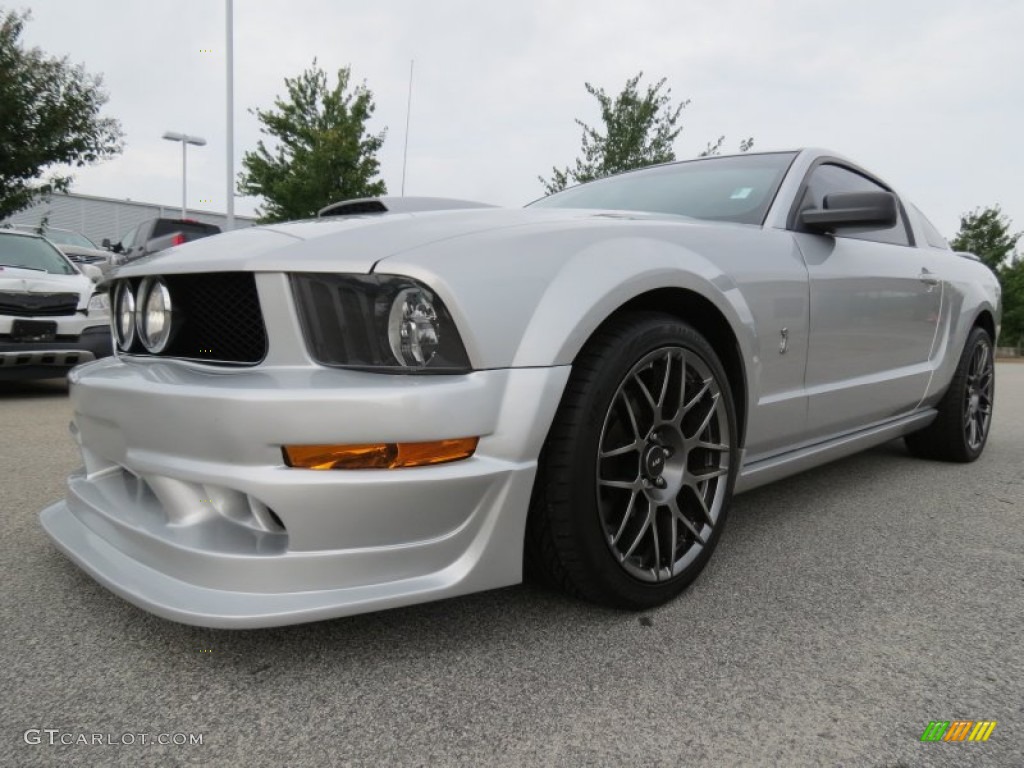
x=844 y=610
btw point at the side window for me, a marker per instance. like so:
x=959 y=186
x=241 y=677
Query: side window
x=828 y=179
x=129 y=239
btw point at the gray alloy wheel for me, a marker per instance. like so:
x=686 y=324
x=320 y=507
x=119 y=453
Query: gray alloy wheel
x=961 y=429
x=662 y=462
x=635 y=478
x=978 y=397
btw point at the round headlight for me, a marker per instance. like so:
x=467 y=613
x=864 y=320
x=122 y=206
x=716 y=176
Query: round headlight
x=154 y=315
x=124 y=316
x=413 y=327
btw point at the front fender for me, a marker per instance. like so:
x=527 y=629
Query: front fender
x=598 y=280
x=531 y=299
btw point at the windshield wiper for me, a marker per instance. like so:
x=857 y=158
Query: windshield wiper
x=20 y=266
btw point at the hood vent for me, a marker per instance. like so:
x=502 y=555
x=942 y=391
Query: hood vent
x=372 y=205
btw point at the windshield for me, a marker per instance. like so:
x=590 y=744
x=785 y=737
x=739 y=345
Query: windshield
x=739 y=188
x=67 y=237
x=33 y=253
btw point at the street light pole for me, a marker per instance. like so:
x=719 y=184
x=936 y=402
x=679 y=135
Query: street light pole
x=185 y=139
x=184 y=177
x=231 y=114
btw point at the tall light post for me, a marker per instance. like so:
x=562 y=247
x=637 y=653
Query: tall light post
x=230 y=33
x=185 y=140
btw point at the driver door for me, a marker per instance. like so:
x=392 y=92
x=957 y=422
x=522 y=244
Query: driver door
x=875 y=303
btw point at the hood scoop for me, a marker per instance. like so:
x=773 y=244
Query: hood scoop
x=370 y=205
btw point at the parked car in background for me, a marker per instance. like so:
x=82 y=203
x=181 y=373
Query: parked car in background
x=51 y=315
x=75 y=246
x=382 y=407
x=157 y=235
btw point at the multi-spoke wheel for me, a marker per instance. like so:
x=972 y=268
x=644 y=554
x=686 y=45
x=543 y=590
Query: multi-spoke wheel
x=960 y=430
x=638 y=469
x=662 y=463
x=977 y=408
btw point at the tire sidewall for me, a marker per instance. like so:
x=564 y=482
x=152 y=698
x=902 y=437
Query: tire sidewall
x=642 y=338
x=978 y=336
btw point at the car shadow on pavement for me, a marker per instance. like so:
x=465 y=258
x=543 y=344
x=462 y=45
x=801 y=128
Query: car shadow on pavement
x=34 y=388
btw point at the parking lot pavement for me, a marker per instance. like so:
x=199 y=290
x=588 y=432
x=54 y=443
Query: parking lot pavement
x=844 y=610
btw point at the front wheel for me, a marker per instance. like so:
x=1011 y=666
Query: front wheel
x=636 y=476
x=960 y=431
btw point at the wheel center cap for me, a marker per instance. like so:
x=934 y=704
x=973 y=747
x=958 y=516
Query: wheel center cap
x=654 y=461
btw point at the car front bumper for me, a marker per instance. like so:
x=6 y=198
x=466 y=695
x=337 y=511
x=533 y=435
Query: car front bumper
x=49 y=359
x=185 y=508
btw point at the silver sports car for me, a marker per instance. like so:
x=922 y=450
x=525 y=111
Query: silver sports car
x=409 y=399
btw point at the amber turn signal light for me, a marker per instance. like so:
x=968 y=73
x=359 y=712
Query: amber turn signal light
x=378 y=455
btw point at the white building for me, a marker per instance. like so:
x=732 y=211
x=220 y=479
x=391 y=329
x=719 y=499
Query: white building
x=106 y=217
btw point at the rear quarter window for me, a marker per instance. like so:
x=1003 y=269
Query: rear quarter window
x=931 y=235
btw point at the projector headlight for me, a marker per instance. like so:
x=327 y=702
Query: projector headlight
x=377 y=322
x=413 y=331
x=124 y=315
x=155 y=315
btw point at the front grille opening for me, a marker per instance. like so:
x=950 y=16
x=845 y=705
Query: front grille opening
x=38 y=304
x=217 y=319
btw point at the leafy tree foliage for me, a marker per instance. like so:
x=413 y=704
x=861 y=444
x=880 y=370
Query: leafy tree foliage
x=715 y=148
x=323 y=151
x=639 y=130
x=986 y=233
x=1011 y=276
x=49 y=115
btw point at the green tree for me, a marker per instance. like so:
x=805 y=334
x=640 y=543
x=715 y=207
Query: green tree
x=985 y=232
x=639 y=130
x=323 y=151
x=715 y=148
x=49 y=115
x=1011 y=276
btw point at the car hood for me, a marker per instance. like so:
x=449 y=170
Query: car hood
x=15 y=280
x=81 y=250
x=351 y=243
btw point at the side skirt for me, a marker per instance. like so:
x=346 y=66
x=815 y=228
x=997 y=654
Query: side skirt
x=783 y=465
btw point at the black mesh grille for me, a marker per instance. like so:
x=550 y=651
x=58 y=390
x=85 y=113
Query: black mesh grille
x=217 y=318
x=38 y=304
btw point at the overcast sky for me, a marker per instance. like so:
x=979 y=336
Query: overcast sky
x=929 y=95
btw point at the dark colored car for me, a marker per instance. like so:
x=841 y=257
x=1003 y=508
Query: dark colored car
x=156 y=235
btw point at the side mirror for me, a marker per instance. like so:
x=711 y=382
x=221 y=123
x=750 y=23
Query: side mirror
x=843 y=210
x=94 y=273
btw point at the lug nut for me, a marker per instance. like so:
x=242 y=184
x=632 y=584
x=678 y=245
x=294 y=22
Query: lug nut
x=659 y=482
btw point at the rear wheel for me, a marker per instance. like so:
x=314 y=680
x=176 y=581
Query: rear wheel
x=961 y=429
x=635 y=479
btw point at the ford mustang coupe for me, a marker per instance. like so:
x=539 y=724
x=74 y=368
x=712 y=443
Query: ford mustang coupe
x=407 y=399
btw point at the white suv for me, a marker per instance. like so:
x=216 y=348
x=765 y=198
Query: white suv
x=52 y=317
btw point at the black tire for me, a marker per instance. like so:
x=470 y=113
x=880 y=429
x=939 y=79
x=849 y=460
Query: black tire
x=636 y=369
x=960 y=431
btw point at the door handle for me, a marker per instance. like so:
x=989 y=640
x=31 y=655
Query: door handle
x=928 y=278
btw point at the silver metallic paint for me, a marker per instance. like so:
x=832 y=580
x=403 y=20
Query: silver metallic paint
x=526 y=288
